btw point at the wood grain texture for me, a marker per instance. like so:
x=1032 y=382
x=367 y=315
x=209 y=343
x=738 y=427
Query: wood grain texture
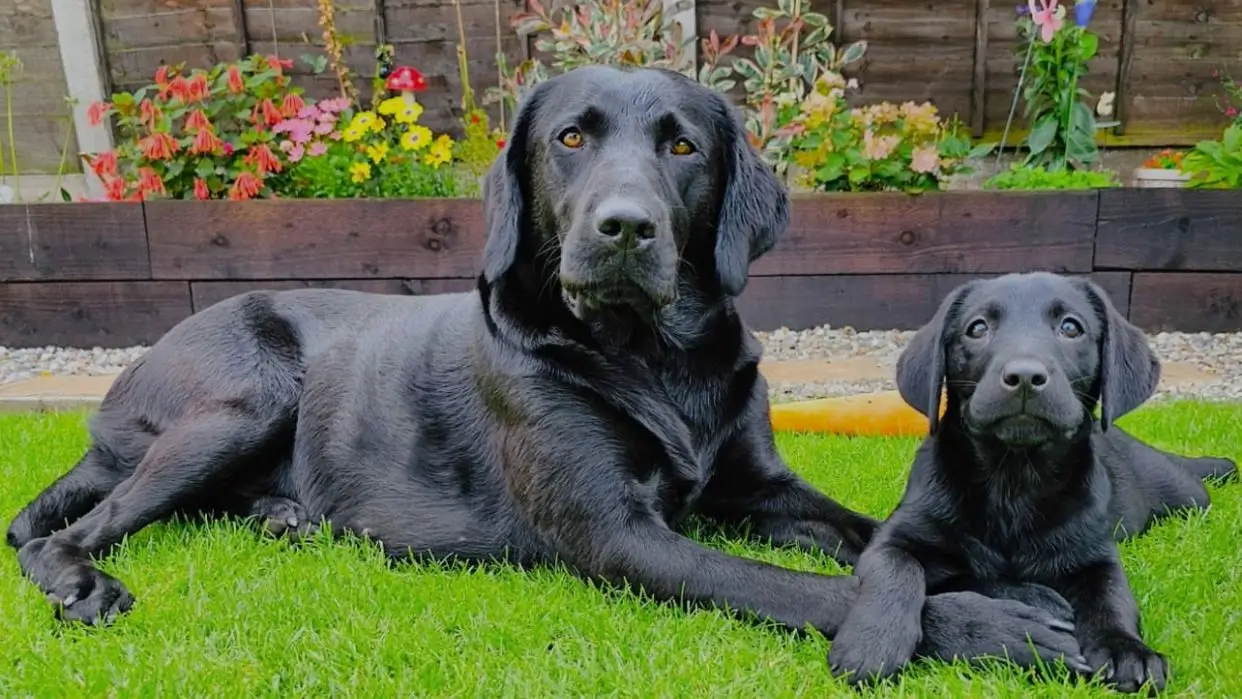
x=205 y=294
x=73 y=242
x=949 y=232
x=1170 y=229
x=90 y=314
x=870 y=301
x=315 y=239
x=1187 y=302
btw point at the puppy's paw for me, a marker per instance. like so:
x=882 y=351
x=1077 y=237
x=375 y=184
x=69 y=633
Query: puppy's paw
x=863 y=655
x=84 y=594
x=279 y=516
x=1128 y=665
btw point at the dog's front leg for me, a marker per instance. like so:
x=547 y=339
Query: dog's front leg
x=1107 y=620
x=884 y=627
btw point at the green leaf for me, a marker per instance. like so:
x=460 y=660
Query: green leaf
x=816 y=19
x=981 y=150
x=1042 y=135
x=854 y=52
x=1088 y=44
x=1232 y=142
x=765 y=13
x=204 y=169
x=859 y=174
x=1082 y=119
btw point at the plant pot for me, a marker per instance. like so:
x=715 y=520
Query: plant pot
x=1160 y=177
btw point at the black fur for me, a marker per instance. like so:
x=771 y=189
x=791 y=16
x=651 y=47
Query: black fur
x=526 y=420
x=1019 y=485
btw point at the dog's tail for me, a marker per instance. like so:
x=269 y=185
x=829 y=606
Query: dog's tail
x=65 y=500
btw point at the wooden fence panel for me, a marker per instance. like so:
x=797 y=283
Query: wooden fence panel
x=42 y=124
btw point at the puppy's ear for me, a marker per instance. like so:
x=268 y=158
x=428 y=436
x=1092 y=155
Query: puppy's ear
x=754 y=210
x=1129 y=370
x=504 y=208
x=921 y=365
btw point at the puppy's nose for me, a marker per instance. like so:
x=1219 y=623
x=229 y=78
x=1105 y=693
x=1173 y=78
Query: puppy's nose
x=1024 y=374
x=625 y=220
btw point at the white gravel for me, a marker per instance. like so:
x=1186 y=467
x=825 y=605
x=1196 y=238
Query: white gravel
x=1202 y=365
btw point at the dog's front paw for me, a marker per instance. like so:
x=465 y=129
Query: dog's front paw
x=1129 y=665
x=279 y=516
x=864 y=655
x=84 y=594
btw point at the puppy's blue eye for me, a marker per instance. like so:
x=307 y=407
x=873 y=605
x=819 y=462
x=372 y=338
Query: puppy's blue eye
x=1071 y=328
x=977 y=329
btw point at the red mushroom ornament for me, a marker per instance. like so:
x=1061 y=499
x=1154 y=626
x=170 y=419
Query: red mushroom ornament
x=407 y=81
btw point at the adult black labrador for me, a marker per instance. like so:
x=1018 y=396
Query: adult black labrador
x=595 y=389
x=1018 y=483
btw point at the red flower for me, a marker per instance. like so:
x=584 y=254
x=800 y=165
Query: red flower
x=161 y=82
x=246 y=186
x=97 y=111
x=104 y=164
x=158 y=146
x=197 y=120
x=179 y=88
x=500 y=143
x=200 y=189
x=236 y=84
x=228 y=148
x=205 y=141
x=150 y=113
x=263 y=159
x=277 y=63
x=149 y=182
x=1232 y=112
x=265 y=113
x=291 y=106
x=114 y=188
x=197 y=89
x=474 y=118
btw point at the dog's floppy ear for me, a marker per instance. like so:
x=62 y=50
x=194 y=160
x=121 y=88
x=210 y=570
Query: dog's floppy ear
x=503 y=200
x=1129 y=370
x=921 y=365
x=754 y=211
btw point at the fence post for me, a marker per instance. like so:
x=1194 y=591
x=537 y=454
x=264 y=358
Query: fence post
x=685 y=13
x=82 y=56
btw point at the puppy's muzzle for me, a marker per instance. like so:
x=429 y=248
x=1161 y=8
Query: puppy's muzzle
x=1024 y=377
x=624 y=223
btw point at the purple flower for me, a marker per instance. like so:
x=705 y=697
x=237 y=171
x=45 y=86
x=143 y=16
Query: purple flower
x=1023 y=10
x=1083 y=10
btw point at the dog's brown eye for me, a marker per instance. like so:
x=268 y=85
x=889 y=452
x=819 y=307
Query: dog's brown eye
x=682 y=147
x=571 y=138
x=1071 y=328
x=977 y=329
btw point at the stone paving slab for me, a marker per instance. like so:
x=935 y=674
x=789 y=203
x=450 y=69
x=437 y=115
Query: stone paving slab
x=51 y=392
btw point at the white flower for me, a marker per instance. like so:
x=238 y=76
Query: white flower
x=1105 y=106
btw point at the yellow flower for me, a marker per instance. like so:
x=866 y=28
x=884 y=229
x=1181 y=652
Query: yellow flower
x=403 y=110
x=366 y=120
x=417 y=138
x=377 y=152
x=352 y=133
x=360 y=172
x=440 y=152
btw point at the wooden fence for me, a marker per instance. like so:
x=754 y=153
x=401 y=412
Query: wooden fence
x=118 y=274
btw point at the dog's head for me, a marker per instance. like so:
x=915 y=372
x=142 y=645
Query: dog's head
x=1025 y=359
x=619 y=181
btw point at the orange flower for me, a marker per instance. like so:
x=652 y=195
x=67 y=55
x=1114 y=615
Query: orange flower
x=114 y=188
x=246 y=186
x=236 y=84
x=198 y=89
x=97 y=111
x=262 y=158
x=104 y=164
x=205 y=141
x=149 y=182
x=277 y=63
x=291 y=106
x=158 y=146
x=161 y=81
x=197 y=120
x=179 y=88
x=266 y=114
x=200 y=189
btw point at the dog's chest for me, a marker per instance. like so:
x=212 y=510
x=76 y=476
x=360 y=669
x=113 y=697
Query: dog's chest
x=701 y=404
x=1012 y=541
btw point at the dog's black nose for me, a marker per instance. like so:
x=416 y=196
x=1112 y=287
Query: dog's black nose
x=1026 y=374
x=624 y=219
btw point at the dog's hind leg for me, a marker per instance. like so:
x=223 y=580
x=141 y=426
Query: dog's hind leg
x=68 y=498
x=1207 y=467
x=203 y=451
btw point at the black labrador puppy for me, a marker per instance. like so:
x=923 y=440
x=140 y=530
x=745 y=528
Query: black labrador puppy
x=596 y=389
x=1019 y=485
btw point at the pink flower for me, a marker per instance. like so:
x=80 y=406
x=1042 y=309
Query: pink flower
x=317 y=149
x=295 y=154
x=323 y=129
x=337 y=104
x=878 y=148
x=1045 y=16
x=310 y=111
x=299 y=130
x=925 y=159
x=1231 y=112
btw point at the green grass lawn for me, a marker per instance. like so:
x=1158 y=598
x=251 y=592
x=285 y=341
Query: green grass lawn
x=222 y=612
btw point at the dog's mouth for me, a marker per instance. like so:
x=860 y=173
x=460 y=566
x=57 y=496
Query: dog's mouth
x=1023 y=430
x=586 y=301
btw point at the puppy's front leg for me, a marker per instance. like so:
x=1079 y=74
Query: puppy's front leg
x=1107 y=621
x=884 y=627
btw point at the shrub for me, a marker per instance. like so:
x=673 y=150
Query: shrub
x=205 y=134
x=1024 y=177
x=1216 y=164
x=880 y=147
